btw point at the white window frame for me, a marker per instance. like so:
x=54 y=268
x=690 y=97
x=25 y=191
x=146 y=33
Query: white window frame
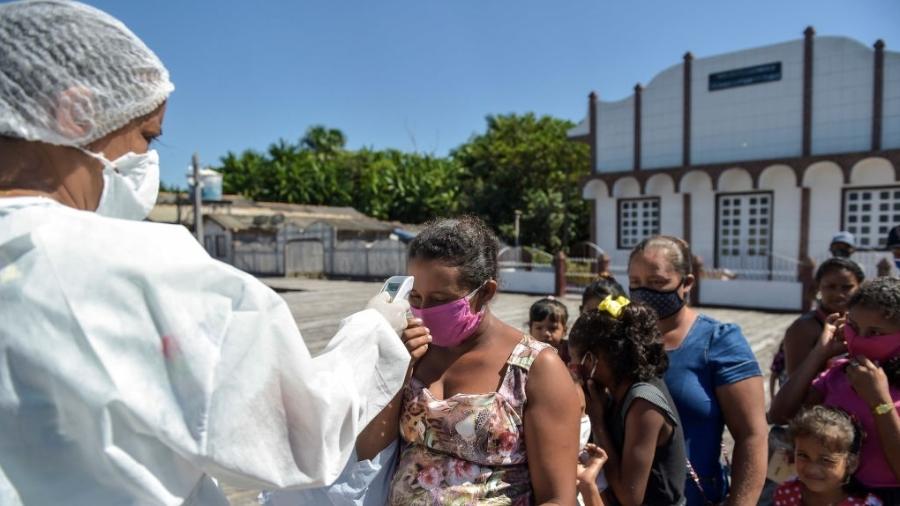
x=870 y=219
x=634 y=224
x=744 y=233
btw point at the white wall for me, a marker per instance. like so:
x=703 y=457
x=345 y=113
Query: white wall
x=824 y=180
x=781 y=295
x=671 y=204
x=782 y=182
x=533 y=282
x=703 y=214
x=662 y=119
x=890 y=121
x=842 y=96
x=615 y=135
x=752 y=122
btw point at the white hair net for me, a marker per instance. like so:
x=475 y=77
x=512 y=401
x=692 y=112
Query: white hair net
x=71 y=74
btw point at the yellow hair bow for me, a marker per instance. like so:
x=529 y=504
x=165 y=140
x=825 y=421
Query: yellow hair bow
x=613 y=306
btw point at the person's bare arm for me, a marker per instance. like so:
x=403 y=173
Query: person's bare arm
x=871 y=384
x=384 y=428
x=743 y=406
x=628 y=476
x=589 y=467
x=797 y=391
x=799 y=339
x=551 y=430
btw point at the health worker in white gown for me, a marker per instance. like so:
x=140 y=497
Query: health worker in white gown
x=134 y=367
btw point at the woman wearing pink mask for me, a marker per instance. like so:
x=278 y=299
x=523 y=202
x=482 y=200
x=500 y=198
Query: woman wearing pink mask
x=866 y=384
x=487 y=413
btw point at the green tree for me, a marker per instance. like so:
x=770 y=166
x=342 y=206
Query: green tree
x=525 y=162
x=387 y=184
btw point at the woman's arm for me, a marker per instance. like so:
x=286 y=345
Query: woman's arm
x=384 y=428
x=551 y=430
x=629 y=473
x=743 y=407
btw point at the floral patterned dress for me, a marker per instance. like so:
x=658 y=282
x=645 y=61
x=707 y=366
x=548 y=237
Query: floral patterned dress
x=468 y=448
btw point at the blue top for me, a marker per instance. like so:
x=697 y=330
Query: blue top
x=712 y=354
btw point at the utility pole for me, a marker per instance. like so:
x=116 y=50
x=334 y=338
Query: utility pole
x=518 y=215
x=198 y=202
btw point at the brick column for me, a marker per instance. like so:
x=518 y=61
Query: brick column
x=637 y=126
x=592 y=129
x=878 y=95
x=686 y=218
x=686 y=111
x=808 y=35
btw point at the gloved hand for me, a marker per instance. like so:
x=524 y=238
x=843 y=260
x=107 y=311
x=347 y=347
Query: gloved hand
x=393 y=312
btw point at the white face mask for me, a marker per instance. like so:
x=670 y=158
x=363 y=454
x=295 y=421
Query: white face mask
x=585 y=431
x=130 y=185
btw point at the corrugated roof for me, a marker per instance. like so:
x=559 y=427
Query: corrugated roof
x=239 y=213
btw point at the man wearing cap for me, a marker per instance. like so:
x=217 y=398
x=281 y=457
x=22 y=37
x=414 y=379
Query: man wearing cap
x=843 y=244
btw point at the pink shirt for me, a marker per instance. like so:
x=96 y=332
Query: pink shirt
x=874 y=470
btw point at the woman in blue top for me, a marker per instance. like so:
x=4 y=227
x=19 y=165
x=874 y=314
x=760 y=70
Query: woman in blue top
x=713 y=377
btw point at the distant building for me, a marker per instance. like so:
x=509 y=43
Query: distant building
x=273 y=238
x=756 y=157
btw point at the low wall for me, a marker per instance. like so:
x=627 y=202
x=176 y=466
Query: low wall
x=537 y=282
x=749 y=294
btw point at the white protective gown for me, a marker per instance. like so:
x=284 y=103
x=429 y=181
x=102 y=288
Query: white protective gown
x=133 y=366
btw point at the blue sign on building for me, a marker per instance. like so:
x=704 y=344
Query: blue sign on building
x=756 y=74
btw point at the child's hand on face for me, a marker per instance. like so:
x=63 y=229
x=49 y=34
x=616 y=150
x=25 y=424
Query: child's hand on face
x=590 y=463
x=831 y=341
x=869 y=381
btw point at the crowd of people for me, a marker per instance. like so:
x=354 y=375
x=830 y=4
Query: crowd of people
x=138 y=370
x=652 y=386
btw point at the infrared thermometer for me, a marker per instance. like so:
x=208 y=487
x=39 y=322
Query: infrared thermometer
x=398 y=287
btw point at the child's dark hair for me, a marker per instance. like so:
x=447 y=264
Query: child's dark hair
x=882 y=294
x=464 y=242
x=631 y=343
x=832 y=427
x=601 y=287
x=835 y=429
x=548 y=307
x=840 y=264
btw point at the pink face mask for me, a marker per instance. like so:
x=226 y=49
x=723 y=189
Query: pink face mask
x=875 y=348
x=451 y=323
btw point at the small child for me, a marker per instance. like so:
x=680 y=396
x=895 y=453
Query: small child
x=826 y=453
x=604 y=286
x=547 y=322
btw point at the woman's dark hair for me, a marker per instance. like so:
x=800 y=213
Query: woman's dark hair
x=631 y=344
x=840 y=264
x=548 y=307
x=678 y=252
x=601 y=287
x=882 y=294
x=464 y=242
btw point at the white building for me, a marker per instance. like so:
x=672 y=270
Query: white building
x=756 y=157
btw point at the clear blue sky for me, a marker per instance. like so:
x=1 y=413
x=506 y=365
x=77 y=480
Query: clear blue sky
x=422 y=74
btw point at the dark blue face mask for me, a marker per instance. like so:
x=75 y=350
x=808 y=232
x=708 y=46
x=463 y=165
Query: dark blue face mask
x=665 y=304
